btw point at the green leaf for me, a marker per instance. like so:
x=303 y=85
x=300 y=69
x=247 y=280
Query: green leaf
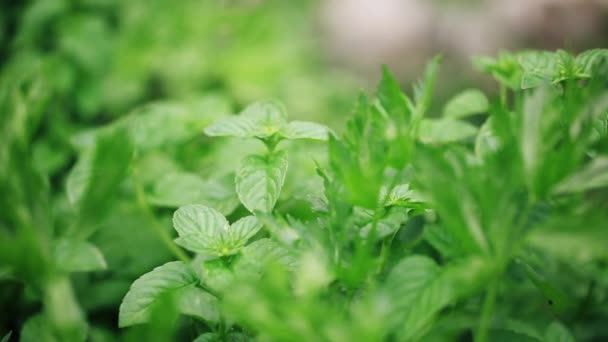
x=441 y=131
x=92 y=184
x=37 y=329
x=305 y=130
x=555 y=296
x=161 y=124
x=418 y=289
x=259 y=120
x=505 y=68
x=216 y=275
x=486 y=141
x=180 y=188
x=73 y=255
x=557 y=332
x=593 y=175
x=260 y=254
x=259 y=181
x=466 y=103
x=587 y=60
x=539 y=67
x=423 y=90
x=203 y=230
x=196 y=302
x=388 y=224
x=171 y=279
x=392 y=99
x=198 y=219
x=236 y=126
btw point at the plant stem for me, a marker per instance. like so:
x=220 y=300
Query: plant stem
x=481 y=334
x=503 y=95
x=157 y=228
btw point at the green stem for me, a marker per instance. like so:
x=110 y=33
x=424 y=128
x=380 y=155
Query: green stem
x=487 y=312
x=503 y=95
x=156 y=227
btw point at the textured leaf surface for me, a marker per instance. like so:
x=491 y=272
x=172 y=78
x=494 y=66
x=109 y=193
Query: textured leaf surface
x=198 y=219
x=305 y=130
x=168 y=279
x=261 y=119
x=538 y=68
x=203 y=230
x=259 y=181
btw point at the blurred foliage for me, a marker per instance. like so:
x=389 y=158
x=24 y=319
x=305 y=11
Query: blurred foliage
x=485 y=223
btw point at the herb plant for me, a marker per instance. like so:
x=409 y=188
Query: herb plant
x=485 y=223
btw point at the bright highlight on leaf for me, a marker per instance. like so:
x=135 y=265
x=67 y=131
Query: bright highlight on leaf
x=204 y=230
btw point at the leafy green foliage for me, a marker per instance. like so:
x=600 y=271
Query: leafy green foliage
x=486 y=221
x=204 y=230
x=171 y=279
x=466 y=103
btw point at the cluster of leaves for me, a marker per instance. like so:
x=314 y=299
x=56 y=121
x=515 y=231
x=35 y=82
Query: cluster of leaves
x=431 y=229
x=485 y=222
x=88 y=184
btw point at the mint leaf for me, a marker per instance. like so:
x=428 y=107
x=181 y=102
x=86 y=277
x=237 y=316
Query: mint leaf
x=198 y=219
x=203 y=230
x=172 y=279
x=441 y=131
x=236 y=126
x=180 y=188
x=259 y=181
x=161 y=124
x=260 y=254
x=259 y=120
x=466 y=103
x=587 y=60
x=241 y=231
x=539 y=67
x=305 y=130
x=193 y=301
x=387 y=225
x=418 y=289
x=73 y=255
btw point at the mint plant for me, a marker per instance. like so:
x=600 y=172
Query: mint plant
x=482 y=219
x=260 y=177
